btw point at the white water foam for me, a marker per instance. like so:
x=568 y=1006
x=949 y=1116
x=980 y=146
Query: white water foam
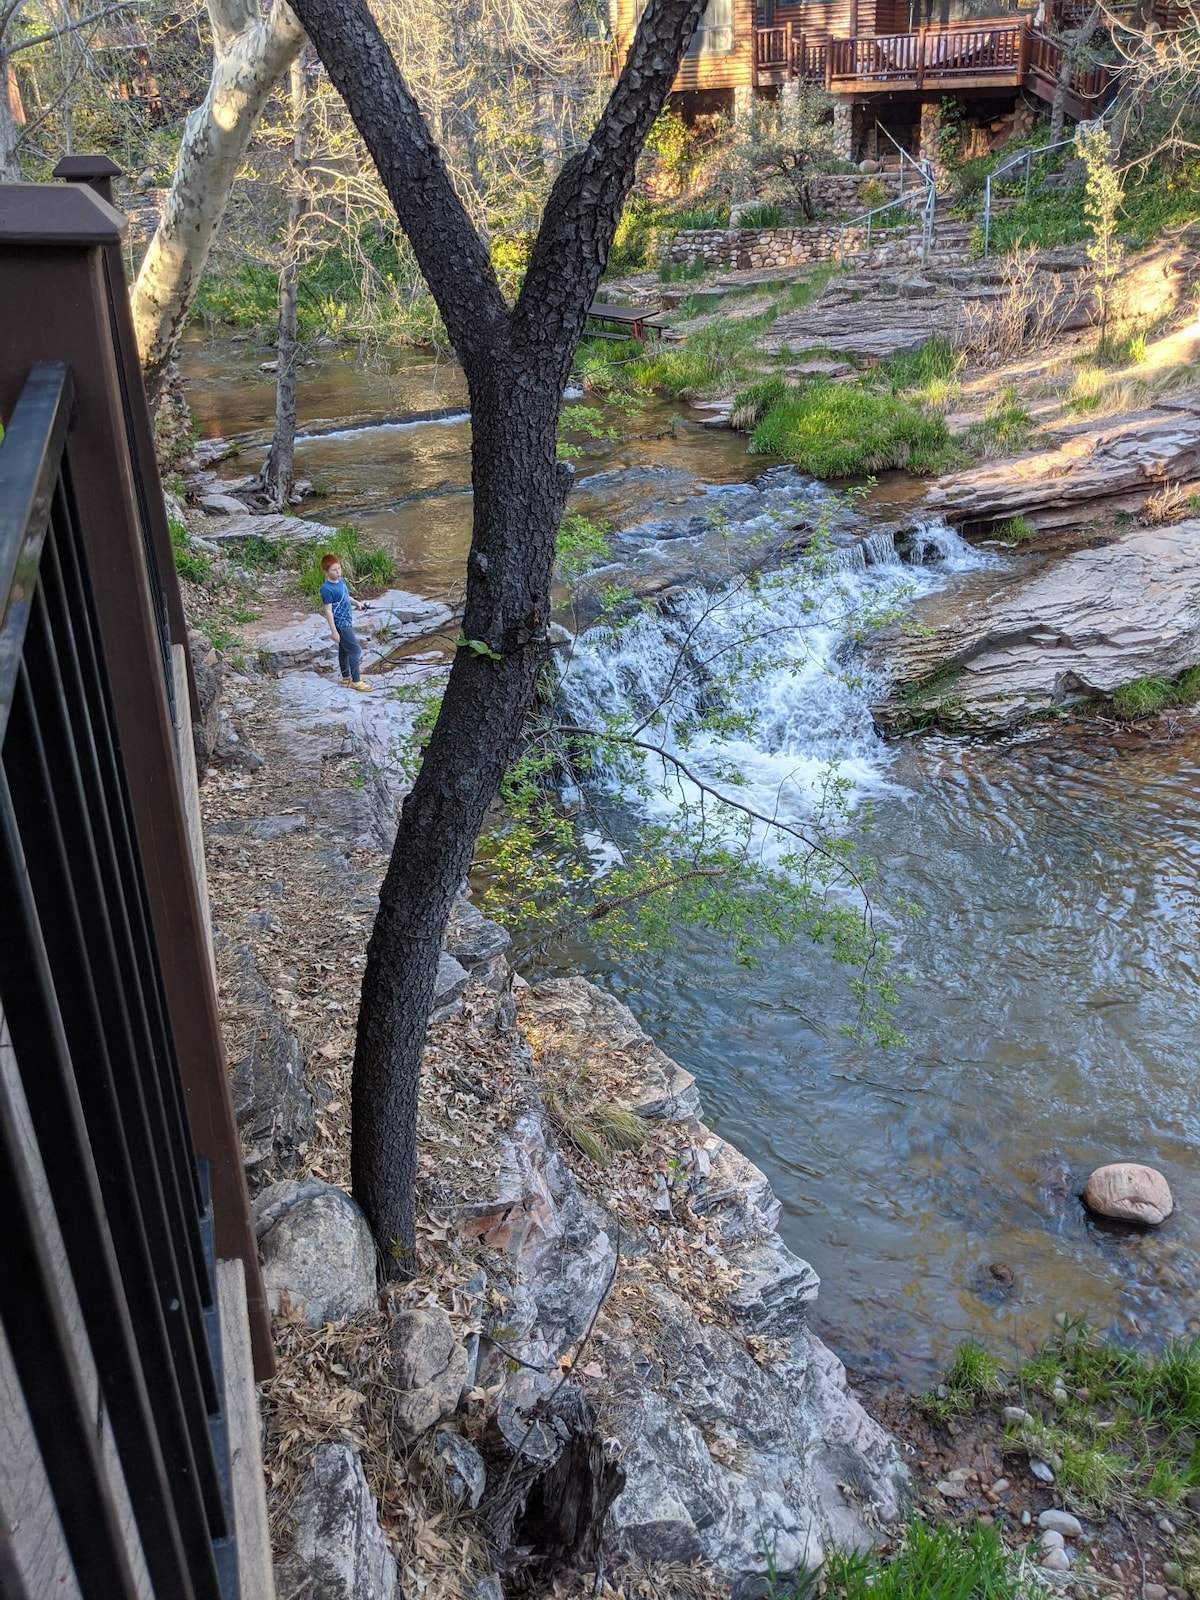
x=783 y=652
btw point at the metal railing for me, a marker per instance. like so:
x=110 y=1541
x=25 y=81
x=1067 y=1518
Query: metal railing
x=96 y=1157
x=925 y=211
x=1012 y=164
x=106 y=1297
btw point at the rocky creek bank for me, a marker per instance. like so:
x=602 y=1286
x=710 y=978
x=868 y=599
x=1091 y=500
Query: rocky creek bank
x=1069 y=632
x=642 y=1288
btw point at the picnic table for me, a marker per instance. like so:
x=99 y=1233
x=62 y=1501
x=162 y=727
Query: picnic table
x=624 y=322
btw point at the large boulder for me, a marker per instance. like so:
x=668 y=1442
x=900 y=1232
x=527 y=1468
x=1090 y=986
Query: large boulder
x=1118 y=462
x=1130 y=1193
x=429 y=1367
x=338 y=1550
x=1076 y=630
x=317 y=1251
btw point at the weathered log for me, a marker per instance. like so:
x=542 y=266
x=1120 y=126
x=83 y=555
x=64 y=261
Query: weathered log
x=545 y=1516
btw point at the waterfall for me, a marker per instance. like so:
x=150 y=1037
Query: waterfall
x=776 y=651
x=879 y=550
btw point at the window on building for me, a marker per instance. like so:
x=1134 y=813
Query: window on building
x=714 y=36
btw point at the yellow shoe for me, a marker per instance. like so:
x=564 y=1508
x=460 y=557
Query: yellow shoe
x=344 y=683
x=363 y=688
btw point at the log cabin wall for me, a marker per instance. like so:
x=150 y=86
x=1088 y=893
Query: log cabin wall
x=732 y=69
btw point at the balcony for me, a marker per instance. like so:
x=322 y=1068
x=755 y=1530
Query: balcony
x=956 y=57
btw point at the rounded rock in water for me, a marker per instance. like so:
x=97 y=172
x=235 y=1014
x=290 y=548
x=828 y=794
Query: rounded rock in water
x=1129 y=1192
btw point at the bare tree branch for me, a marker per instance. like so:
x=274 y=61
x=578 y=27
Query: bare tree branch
x=71 y=27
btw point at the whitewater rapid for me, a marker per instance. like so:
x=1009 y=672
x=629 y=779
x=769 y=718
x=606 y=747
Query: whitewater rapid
x=776 y=656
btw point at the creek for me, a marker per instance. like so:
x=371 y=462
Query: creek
x=1051 y=991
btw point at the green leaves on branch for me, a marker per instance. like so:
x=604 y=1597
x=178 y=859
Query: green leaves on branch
x=478 y=647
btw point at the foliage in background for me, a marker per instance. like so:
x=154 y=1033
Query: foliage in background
x=773 y=152
x=362 y=566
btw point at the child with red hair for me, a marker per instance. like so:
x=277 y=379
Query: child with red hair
x=336 y=601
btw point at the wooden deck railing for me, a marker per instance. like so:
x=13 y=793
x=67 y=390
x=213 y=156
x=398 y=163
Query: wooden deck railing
x=1085 y=89
x=966 y=53
x=930 y=56
x=785 y=52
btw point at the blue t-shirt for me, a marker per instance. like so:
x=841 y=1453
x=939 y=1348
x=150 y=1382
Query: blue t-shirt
x=338 y=596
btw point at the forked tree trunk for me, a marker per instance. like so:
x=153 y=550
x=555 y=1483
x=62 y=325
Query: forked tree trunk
x=250 y=53
x=279 y=469
x=517 y=363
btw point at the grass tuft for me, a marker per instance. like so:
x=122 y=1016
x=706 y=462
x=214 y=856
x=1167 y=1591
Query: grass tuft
x=836 y=430
x=1144 y=696
x=934 y=1562
x=190 y=564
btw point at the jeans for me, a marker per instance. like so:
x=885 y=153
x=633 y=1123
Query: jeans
x=349 y=654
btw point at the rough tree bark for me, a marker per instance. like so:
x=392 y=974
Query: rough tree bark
x=278 y=470
x=250 y=53
x=516 y=363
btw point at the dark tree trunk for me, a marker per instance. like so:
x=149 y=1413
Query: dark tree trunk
x=517 y=363
x=279 y=469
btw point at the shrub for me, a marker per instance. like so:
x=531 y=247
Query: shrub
x=763 y=215
x=873 y=193
x=842 y=430
x=370 y=568
x=715 y=357
x=697 y=218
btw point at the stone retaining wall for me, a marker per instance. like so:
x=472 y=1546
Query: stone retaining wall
x=839 y=191
x=753 y=248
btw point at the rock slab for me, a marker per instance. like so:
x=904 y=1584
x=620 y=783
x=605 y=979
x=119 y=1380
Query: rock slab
x=429 y=1366
x=393 y=618
x=1077 y=630
x=317 y=1250
x=1130 y=1193
x=339 y=1551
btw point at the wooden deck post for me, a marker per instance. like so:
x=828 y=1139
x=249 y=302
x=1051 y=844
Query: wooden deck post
x=921 y=58
x=1023 y=56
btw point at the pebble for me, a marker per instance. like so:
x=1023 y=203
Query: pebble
x=1015 y=1414
x=1051 y=1540
x=1165 y=1525
x=1000 y=1485
x=1154 y=1591
x=942 y=1392
x=1061 y=1522
x=951 y=1491
x=1041 y=1471
x=1026 y=1519
x=1057 y=1560
x=985 y=1520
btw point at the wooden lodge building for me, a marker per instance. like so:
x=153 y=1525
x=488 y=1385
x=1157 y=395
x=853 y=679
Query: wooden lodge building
x=890 y=62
